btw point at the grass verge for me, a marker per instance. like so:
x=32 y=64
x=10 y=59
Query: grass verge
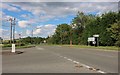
x=99 y=47
x=19 y=47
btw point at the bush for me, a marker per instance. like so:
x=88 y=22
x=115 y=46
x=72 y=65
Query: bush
x=117 y=43
x=10 y=45
x=22 y=44
x=19 y=44
x=7 y=45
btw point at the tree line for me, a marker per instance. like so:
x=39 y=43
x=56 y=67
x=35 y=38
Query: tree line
x=107 y=26
x=82 y=26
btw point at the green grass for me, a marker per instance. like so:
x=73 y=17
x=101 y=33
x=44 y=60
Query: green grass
x=75 y=46
x=85 y=46
x=9 y=46
x=93 y=47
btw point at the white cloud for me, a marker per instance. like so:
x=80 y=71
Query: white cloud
x=4 y=33
x=44 y=11
x=45 y=30
x=37 y=31
x=28 y=32
x=23 y=24
x=24 y=15
x=60 y=0
x=10 y=7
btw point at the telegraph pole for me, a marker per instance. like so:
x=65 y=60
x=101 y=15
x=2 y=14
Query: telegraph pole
x=19 y=39
x=14 y=31
x=32 y=37
x=10 y=30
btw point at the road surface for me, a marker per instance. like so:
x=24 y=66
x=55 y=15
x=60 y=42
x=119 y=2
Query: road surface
x=60 y=59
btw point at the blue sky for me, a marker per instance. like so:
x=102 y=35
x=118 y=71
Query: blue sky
x=47 y=15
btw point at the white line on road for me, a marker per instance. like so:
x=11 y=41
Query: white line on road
x=74 y=61
x=88 y=67
x=40 y=48
x=100 y=71
x=69 y=59
x=65 y=57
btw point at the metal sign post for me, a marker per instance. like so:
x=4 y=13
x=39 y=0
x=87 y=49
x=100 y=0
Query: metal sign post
x=96 y=39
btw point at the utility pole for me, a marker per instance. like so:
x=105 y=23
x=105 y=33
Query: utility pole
x=12 y=22
x=14 y=31
x=10 y=30
x=32 y=37
x=19 y=39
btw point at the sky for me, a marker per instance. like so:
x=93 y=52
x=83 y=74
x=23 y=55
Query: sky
x=43 y=17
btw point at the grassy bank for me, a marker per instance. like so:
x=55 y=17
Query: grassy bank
x=17 y=47
x=93 y=47
x=85 y=46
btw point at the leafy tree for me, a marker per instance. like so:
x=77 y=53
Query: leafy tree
x=106 y=25
x=81 y=21
x=32 y=40
x=62 y=34
x=115 y=32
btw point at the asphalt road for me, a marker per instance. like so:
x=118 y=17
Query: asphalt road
x=59 y=59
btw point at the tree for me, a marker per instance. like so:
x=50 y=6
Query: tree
x=61 y=35
x=81 y=21
x=115 y=32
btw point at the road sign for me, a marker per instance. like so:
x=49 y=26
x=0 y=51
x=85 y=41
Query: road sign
x=91 y=39
x=96 y=35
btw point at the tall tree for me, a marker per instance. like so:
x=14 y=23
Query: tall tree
x=115 y=32
x=62 y=34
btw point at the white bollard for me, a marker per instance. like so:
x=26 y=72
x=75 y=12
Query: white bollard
x=13 y=48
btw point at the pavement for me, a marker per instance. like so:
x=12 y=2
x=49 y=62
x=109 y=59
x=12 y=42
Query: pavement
x=60 y=59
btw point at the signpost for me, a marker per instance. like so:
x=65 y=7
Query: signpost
x=96 y=39
x=93 y=40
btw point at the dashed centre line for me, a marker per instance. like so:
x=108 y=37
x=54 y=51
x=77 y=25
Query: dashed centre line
x=86 y=66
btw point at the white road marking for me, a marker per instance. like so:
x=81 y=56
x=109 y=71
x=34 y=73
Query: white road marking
x=74 y=61
x=88 y=67
x=65 y=57
x=100 y=71
x=69 y=59
x=40 y=48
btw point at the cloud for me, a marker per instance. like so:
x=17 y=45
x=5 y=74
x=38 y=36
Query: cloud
x=10 y=7
x=24 y=15
x=28 y=32
x=4 y=33
x=37 y=31
x=60 y=0
x=23 y=24
x=44 y=11
x=45 y=30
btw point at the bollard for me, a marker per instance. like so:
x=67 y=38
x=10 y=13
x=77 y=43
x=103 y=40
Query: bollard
x=13 y=48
